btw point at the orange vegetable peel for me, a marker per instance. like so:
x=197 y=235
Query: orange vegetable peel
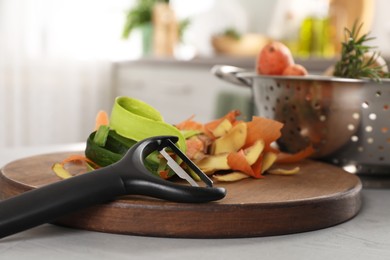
x=296 y=157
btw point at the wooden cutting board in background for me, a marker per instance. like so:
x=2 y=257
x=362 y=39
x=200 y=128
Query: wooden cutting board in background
x=320 y=196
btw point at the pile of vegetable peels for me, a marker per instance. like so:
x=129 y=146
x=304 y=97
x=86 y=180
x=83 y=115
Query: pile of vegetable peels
x=231 y=150
x=227 y=148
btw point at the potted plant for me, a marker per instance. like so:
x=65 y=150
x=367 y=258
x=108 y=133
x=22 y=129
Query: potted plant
x=140 y=17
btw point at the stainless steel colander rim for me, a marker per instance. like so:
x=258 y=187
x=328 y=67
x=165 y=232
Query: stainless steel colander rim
x=311 y=77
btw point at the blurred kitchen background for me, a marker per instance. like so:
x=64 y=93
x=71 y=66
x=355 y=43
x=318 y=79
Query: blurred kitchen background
x=61 y=61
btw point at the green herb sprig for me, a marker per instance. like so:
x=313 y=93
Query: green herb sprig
x=139 y=15
x=232 y=33
x=353 y=63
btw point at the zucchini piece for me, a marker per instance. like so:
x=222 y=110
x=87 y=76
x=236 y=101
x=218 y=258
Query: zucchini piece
x=101 y=135
x=136 y=120
x=100 y=155
x=115 y=148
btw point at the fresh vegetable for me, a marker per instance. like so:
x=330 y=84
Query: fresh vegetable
x=101 y=119
x=59 y=168
x=232 y=141
x=131 y=120
x=233 y=148
x=112 y=151
x=357 y=59
x=273 y=59
x=292 y=158
x=226 y=148
x=136 y=120
x=233 y=176
x=295 y=70
x=60 y=171
x=264 y=129
x=280 y=171
x=101 y=135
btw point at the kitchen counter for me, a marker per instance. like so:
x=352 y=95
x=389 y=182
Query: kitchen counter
x=367 y=236
x=316 y=65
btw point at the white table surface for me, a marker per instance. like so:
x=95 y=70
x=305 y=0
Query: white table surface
x=367 y=236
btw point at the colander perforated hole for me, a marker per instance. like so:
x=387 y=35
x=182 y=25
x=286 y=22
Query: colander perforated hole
x=267 y=98
x=266 y=108
x=385 y=107
x=317 y=105
x=384 y=130
x=278 y=100
x=360 y=149
x=372 y=116
x=368 y=129
x=381 y=158
x=380 y=147
x=286 y=98
x=278 y=85
x=370 y=140
x=378 y=94
x=271 y=88
x=355 y=116
x=322 y=118
x=308 y=97
x=350 y=167
x=365 y=105
x=354 y=138
x=351 y=127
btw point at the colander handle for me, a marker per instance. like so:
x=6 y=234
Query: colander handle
x=230 y=74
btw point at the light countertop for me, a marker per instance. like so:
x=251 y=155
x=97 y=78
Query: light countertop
x=367 y=236
x=312 y=64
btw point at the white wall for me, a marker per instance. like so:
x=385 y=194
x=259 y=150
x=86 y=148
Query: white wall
x=381 y=27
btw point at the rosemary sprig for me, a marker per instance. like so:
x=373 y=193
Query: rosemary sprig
x=354 y=62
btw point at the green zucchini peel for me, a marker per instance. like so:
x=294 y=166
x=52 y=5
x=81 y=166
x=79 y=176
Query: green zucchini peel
x=136 y=120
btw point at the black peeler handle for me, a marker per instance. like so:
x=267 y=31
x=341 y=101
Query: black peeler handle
x=127 y=176
x=47 y=203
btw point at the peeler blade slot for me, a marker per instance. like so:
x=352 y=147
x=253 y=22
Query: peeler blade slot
x=190 y=164
x=177 y=169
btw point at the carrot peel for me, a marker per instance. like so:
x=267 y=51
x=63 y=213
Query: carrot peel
x=238 y=162
x=296 y=157
x=263 y=128
x=101 y=119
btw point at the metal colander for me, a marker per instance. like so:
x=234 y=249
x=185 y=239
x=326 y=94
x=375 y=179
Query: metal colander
x=346 y=120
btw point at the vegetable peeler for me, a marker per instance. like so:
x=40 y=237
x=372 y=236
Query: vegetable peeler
x=125 y=177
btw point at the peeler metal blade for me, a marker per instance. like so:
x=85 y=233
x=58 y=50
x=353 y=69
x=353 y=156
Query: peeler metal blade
x=177 y=169
x=190 y=164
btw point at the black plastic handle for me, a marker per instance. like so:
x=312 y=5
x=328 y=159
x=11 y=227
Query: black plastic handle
x=128 y=176
x=47 y=203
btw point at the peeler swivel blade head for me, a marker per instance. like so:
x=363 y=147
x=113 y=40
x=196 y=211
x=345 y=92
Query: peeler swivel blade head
x=138 y=180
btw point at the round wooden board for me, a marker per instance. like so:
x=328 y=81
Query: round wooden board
x=320 y=196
